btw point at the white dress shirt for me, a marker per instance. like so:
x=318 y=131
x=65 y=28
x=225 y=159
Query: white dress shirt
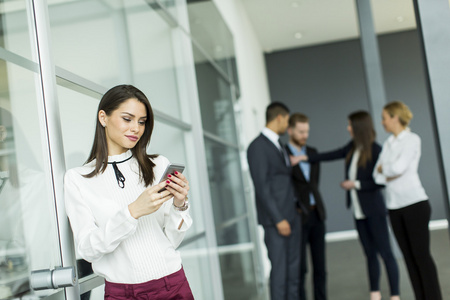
x=275 y=139
x=400 y=157
x=121 y=248
x=272 y=136
x=352 y=173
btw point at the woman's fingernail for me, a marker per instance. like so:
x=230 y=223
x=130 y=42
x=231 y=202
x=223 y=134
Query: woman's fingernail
x=169 y=175
x=167 y=181
x=176 y=173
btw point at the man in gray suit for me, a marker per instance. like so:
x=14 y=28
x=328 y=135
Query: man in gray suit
x=276 y=204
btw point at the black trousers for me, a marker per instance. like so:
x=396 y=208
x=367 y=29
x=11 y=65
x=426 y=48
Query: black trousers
x=284 y=256
x=410 y=226
x=373 y=234
x=313 y=234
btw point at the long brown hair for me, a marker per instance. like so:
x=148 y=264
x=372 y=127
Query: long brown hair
x=111 y=101
x=363 y=136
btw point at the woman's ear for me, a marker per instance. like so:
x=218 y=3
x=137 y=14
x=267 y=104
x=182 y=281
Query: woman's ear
x=102 y=117
x=396 y=118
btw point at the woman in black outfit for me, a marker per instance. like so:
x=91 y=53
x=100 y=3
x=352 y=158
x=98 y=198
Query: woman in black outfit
x=365 y=198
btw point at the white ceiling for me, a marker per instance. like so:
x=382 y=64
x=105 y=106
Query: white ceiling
x=285 y=24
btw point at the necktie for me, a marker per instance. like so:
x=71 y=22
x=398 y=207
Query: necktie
x=283 y=153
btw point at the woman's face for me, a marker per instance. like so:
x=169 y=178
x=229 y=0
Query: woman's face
x=124 y=126
x=388 y=121
x=350 y=128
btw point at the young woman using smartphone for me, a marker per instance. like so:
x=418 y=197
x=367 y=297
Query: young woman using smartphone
x=121 y=223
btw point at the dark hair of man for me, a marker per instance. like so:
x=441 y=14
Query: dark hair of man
x=363 y=136
x=111 y=101
x=297 y=118
x=274 y=109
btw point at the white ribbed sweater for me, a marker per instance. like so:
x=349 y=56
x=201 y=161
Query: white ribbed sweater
x=121 y=248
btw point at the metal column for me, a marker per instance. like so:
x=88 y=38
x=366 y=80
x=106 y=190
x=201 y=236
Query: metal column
x=372 y=64
x=433 y=24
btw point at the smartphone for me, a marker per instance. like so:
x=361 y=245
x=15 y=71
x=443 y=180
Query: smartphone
x=171 y=168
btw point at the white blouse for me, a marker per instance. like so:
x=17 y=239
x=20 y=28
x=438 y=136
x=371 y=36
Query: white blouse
x=121 y=248
x=352 y=172
x=400 y=156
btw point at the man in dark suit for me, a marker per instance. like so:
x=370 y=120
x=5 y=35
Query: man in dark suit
x=306 y=181
x=276 y=204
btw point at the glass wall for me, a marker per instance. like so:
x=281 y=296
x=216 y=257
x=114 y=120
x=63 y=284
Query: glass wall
x=92 y=46
x=140 y=44
x=127 y=43
x=213 y=51
x=28 y=226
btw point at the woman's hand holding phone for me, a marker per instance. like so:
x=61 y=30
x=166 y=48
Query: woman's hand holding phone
x=150 y=200
x=178 y=186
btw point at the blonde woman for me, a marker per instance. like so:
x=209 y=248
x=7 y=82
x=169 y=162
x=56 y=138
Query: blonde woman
x=407 y=202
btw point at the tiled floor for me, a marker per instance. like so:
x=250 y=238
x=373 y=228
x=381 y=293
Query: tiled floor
x=347 y=275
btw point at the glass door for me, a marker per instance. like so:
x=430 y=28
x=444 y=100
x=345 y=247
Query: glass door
x=29 y=230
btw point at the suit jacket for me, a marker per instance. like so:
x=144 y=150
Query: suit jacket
x=304 y=188
x=274 y=191
x=369 y=195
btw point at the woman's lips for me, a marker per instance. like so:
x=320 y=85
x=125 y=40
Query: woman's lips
x=132 y=138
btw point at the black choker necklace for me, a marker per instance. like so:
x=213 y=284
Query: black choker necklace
x=119 y=176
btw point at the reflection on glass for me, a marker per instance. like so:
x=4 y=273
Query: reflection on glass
x=215 y=102
x=15 y=32
x=225 y=179
x=235 y=77
x=195 y=257
x=233 y=233
x=238 y=274
x=77 y=112
x=28 y=239
x=112 y=42
x=208 y=28
x=236 y=249
x=13 y=256
x=169 y=141
x=151 y=56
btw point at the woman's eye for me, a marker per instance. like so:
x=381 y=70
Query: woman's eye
x=142 y=123
x=127 y=120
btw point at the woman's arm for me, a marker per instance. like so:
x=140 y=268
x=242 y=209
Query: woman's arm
x=378 y=176
x=176 y=223
x=91 y=240
x=177 y=219
x=408 y=154
x=331 y=155
x=325 y=156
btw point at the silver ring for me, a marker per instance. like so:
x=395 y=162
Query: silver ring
x=184 y=185
x=161 y=195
